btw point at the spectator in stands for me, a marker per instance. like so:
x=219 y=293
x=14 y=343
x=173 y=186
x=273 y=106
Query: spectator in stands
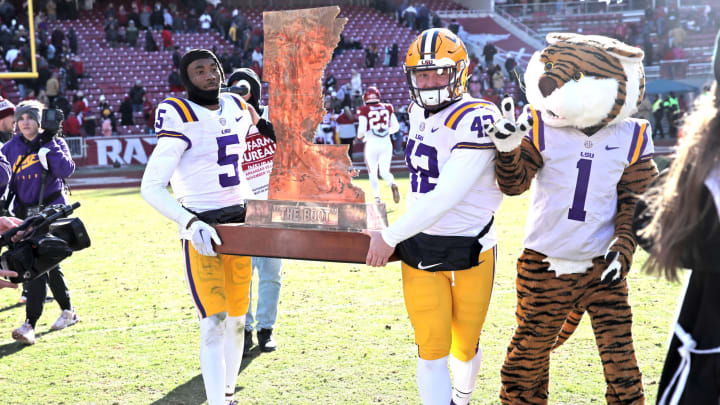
x=371 y=56
x=78 y=65
x=122 y=16
x=475 y=86
x=236 y=59
x=257 y=56
x=71 y=125
x=192 y=21
x=167 y=38
x=126 y=112
x=621 y=30
x=52 y=88
x=156 y=17
x=489 y=51
x=676 y=36
x=106 y=126
x=167 y=19
x=175 y=82
x=423 y=17
x=409 y=14
x=356 y=83
x=394 y=55
x=454 y=26
x=131 y=34
x=150 y=44
x=42 y=97
x=79 y=104
x=329 y=82
x=257 y=69
x=205 y=22
x=106 y=110
x=51 y=10
x=73 y=41
x=137 y=95
x=176 y=57
x=497 y=79
x=112 y=36
x=386 y=56
x=89 y=122
x=148 y=114
x=145 y=18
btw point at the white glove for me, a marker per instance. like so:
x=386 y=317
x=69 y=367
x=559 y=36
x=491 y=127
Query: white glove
x=42 y=157
x=506 y=133
x=203 y=235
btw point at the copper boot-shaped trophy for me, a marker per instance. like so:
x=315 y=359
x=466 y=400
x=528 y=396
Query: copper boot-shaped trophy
x=314 y=212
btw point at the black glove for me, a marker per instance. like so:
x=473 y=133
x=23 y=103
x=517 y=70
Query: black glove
x=47 y=136
x=266 y=129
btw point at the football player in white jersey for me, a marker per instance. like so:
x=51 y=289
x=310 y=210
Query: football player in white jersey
x=446 y=239
x=201 y=141
x=376 y=123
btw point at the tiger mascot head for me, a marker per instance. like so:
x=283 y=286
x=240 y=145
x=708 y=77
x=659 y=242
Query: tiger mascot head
x=585 y=81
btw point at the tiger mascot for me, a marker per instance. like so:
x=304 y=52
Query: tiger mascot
x=590 y=162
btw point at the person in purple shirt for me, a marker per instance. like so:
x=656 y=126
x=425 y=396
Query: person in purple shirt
x=40 y=162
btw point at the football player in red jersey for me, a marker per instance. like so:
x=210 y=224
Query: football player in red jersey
x=376 y=122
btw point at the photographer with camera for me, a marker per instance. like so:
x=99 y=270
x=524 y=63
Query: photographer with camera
x=41 y=160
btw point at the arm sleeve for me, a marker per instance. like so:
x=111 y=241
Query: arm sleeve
x=394 y=124
x=5 y=171
x=467 y=164
x=159 y=169
x=362 y=126
x=60 y=163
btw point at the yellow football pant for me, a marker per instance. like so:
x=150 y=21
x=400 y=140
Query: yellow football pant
x=448 y=310
x=218 y=283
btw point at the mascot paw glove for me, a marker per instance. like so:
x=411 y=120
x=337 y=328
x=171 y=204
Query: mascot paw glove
x=614 y=272
x=507 y=133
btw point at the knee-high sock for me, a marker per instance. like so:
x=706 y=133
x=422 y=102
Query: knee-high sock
x=212 y=357
x=234 y=342
x=433 y=379
x=464 y=377
x=372 y=169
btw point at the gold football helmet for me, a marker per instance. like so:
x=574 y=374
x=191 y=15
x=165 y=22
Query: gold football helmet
x=437 y=49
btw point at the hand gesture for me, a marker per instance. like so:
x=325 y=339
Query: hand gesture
x=507 y=133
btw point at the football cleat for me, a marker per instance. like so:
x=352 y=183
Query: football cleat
x=24 y=334
x=441 y=51
x=396 y=193
x=67 y=318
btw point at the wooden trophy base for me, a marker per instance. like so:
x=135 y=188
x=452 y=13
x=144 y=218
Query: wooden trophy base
x=295 y=230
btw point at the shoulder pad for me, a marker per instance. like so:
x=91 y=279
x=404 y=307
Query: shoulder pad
x=183 y=108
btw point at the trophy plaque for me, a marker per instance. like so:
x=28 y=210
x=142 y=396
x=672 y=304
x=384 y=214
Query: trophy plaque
x=313 y=211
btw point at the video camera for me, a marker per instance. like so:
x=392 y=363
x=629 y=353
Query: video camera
x=51 y=119
x=46 y=239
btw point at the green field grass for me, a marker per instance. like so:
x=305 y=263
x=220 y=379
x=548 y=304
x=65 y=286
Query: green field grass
x=343 y=332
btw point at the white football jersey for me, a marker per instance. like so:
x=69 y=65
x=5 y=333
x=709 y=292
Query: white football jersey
x=209 y=174
x=431 y=142
x=573 y=200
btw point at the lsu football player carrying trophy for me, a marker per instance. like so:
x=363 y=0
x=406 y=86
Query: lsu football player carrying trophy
x=200 y=147
x=376 y=122
x=446 y=239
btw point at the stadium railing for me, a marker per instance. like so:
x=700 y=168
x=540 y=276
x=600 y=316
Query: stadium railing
x=575 y=7
x=78 y=147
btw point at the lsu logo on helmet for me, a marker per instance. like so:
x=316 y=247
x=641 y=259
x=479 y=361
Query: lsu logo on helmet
x=440 y=50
